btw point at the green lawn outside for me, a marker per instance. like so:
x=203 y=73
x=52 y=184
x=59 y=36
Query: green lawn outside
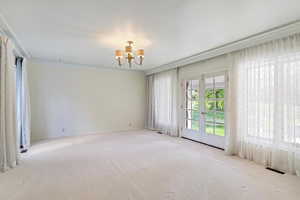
x=219 y=130
x=219 y=118
x=214 y=120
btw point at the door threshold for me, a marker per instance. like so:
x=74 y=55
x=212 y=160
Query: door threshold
x=203 y=143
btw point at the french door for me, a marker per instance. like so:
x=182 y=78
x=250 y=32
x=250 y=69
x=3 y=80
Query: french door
x=204 y=109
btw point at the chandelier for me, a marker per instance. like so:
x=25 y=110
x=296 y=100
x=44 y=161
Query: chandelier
x=130 y=56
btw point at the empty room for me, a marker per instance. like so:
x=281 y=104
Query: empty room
x=149 y=100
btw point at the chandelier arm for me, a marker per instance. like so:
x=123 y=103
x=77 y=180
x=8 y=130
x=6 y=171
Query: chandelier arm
x=141 y=60
x=119 y=61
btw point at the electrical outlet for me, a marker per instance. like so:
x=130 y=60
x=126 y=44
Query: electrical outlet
x=63 y=130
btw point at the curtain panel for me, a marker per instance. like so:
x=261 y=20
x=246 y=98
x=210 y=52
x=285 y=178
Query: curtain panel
x=265 y=106
x=162 y=102
x=25 y=107
x=23 y=104
x=8 y=122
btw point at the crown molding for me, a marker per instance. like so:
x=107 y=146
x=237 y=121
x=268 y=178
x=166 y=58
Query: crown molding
x=75 y=64
x=259 y=38
x=7 y=31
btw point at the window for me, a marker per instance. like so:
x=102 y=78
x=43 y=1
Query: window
x=271 y=98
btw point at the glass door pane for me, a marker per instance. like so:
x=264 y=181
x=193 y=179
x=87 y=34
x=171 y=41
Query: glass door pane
x=192 y=106
x=214 y=105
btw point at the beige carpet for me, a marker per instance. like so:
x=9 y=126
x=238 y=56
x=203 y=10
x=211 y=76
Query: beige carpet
x=138 y=166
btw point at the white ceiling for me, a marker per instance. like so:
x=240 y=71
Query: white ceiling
x=88 y=31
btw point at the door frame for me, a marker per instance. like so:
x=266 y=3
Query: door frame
x=201 y=136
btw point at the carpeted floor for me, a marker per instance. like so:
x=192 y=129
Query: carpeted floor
x=140 y=165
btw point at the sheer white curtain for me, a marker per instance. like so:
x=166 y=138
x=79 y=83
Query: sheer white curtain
x=162 y=102
x=8 y=127
x=266 y=104
x=23 y=104
x=25 y=107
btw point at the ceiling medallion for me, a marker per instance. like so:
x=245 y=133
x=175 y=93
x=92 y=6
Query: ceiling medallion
x=130 y=56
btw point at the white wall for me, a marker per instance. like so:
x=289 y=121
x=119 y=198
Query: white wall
x=73 y=100
x=195 y=70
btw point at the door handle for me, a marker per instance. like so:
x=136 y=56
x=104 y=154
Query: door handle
x=203 y=113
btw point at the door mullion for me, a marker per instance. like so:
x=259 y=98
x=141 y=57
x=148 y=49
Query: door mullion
x=202 y=105
x=199 y=103
x=215 y=107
